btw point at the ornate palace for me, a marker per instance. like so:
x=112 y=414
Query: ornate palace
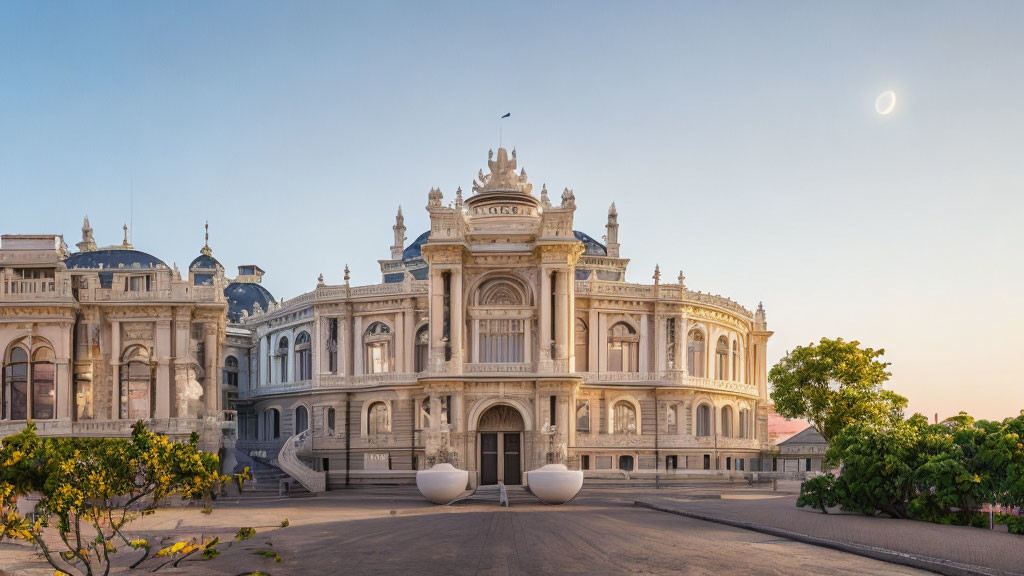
x=501 y=324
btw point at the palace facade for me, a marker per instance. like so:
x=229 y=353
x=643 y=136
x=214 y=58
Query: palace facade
x=501 y=336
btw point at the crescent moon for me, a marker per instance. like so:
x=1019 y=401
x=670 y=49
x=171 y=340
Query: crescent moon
x=885 y=103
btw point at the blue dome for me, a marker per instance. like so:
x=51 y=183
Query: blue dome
x=204 y=261
x=414 y=250
x=242 y=295
x=107 y=259
x=591 y=247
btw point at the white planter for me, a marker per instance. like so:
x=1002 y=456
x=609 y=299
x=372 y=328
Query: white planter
x=442 y=484
x=554 y=483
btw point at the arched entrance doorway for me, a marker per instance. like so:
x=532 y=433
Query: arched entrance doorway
x=501 y=445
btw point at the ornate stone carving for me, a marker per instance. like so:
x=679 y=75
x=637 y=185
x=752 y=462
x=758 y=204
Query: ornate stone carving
x=503 y=175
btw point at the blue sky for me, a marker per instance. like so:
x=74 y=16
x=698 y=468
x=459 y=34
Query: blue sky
x=738 y=140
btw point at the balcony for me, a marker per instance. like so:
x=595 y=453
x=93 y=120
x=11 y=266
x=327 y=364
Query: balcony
x=31 y=291
x=500 y=368
x=669 y=378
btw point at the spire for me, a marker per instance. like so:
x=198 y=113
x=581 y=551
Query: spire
x=399 y=229
x=206 y=251
x=657 y=274
x=760 y=321
x=88 y=243
x=458 y=197
x=126 y=244
x=612 y=232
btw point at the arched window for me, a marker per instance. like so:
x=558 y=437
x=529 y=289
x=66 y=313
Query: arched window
x=695 y=353
x=282 y=358
x=43 y=393
x=703 y=420
x=722 y=359
x=501 y=334
x=271 y=424
x=15 y=394
x=744 y=423
x=671 y=419
x=301 y=419
x=623 y=348
x=625 y=418
x=626 y=463
x=377 y=344
x=727 y=421
x=136 y=384
x=736 y=360
x=231 y=371
x=378 y=421
x=582 y=346
x=423 y=348
x=303 y=356
x=331 y=419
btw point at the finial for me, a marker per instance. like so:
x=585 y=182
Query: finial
x=458 y=196
x=125 y=244
x=513 y=151
x=320 y=279
x=346 y=273
x=206 y=247
x=682 y=279
x=612 y=211
x=657 y=274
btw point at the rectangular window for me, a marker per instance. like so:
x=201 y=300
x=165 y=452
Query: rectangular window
x=585 y=462
x=553 y=410
x=808 y=464
x=332 y=345
x=583 y=415
x=604 y=462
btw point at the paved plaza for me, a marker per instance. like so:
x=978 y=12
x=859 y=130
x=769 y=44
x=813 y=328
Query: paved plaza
x=393 y=531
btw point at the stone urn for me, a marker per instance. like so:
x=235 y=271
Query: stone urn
x=442 y=483
x=554 y=483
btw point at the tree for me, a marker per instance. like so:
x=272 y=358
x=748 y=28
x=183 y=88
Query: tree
x=91 y=488
x=833 y=384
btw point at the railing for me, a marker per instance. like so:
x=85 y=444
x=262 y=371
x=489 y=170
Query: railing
x=665 y=291
x=271 y=389
x=34 y=291
x=288 y=461
x=105 y=428
x=499 y=367
x=674 y=377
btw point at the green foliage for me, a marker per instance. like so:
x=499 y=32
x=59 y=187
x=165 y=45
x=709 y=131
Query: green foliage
x=939 y=473
x=285 y=523
x=819 y=493
x=269 y=554
x=833 y=384
x=245 y=533
x=1015 y=525
x=91 y=488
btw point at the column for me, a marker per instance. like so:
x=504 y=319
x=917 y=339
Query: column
x=457 y=322
x=436 y=316
x=545 y=314
x=476 y=340
x=212 y=400
x=163 y=370
x=561 y=315
x=261 y=368
x=645 y=343
x=680 y=353
x=115 y=366
x=602 y=344
x=592 y=334
x=62 y=388
x=357 y=346
x=400 y=336
x=409 y=317
x=527 y=337
x=660 y=342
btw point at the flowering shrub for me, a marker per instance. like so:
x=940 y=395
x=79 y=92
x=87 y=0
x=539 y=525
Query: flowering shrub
x=91 y=488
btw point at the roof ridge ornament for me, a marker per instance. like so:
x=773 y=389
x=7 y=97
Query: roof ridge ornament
x=502 y=175
x=126 y=244
x=206 y=251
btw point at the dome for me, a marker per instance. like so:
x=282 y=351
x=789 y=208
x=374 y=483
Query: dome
x=414 y=250
x=591 y=247
x=107 y=259
x=242 y=295
x=205 y=261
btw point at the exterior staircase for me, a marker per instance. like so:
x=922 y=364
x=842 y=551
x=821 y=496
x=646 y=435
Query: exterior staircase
x=269 y=481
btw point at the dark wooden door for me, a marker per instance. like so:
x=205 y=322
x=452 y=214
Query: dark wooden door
x=512 y=474
x=488 y=459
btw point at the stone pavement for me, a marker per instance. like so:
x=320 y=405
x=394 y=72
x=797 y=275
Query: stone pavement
x=953 y=549
x=394 y=531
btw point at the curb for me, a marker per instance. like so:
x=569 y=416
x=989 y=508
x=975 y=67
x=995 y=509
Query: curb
x=937 y=565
